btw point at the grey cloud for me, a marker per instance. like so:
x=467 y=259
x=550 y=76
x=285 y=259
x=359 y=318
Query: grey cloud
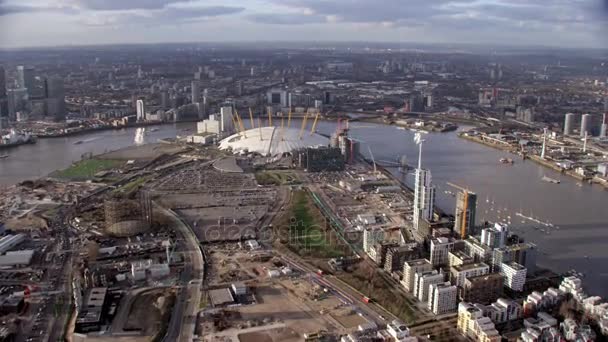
x=7 y=8
x=166 y=16
x=117 y=5
x=374 y=10
x=286 y=19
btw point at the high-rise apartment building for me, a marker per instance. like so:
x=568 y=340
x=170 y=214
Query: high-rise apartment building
x=586 y=125
x=464 y=218
x=141 y=110
x=410 y=268
x=569 y=123
x=424 y=198
x=443 y=298
x=440 y=249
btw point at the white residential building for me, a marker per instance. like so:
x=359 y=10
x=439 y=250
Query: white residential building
x=410 y=268
x=515 y=275
x=424 y=281
x=424 y=198
x=461 y=272
x=443 y=298
x=495 y=237
x=503 y=310
x=440 y=249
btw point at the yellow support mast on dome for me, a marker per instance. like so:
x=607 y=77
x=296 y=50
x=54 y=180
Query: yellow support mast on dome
x=314 y=124
x=238 y=119
x=260 y=126
x=289 y=118
x=282 y=129
x=303 y=125
x=269 y=116
x=251 y=118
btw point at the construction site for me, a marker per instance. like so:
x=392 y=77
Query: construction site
x=256 y=295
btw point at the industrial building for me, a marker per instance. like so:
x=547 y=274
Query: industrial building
x=90 y=316
x=320 y=159
x=10 y=241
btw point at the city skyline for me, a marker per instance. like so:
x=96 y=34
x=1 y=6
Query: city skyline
x=502 y=22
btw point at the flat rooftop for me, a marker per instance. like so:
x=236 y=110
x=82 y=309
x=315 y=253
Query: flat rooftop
x=466 y=267
x=221 y=297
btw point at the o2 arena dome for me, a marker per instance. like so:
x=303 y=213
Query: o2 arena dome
x=272 y=141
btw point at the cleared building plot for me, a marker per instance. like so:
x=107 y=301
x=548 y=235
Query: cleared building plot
x=224 y=223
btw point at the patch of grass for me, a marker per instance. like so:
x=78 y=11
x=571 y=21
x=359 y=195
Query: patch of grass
x=275 y=178
x=305 y=231
x=132 y=185
x=367 y=279
x=86 y=169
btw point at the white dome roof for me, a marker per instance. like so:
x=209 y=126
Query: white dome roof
x=274 y=141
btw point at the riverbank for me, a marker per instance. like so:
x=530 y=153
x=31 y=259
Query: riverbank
x=537 y=159
x=99 y=129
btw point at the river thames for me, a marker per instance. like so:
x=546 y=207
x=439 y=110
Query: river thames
x=575 y=215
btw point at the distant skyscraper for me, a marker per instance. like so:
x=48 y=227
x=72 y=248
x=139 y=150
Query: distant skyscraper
x=226 y=120
x=466 y=207
x=3 y=98
x=54 y=92
x=26 y=79
x=164 y=99
x=569 y=123
x=604 y=128
x=141 y=111
x=196 y=92
x=585 y=124
x=2 y=83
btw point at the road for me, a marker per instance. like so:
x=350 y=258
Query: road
x=183 y=320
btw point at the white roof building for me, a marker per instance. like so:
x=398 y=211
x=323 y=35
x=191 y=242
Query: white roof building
x=272 y=141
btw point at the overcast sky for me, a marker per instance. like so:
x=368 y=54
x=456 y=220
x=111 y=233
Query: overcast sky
x=567 y=23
